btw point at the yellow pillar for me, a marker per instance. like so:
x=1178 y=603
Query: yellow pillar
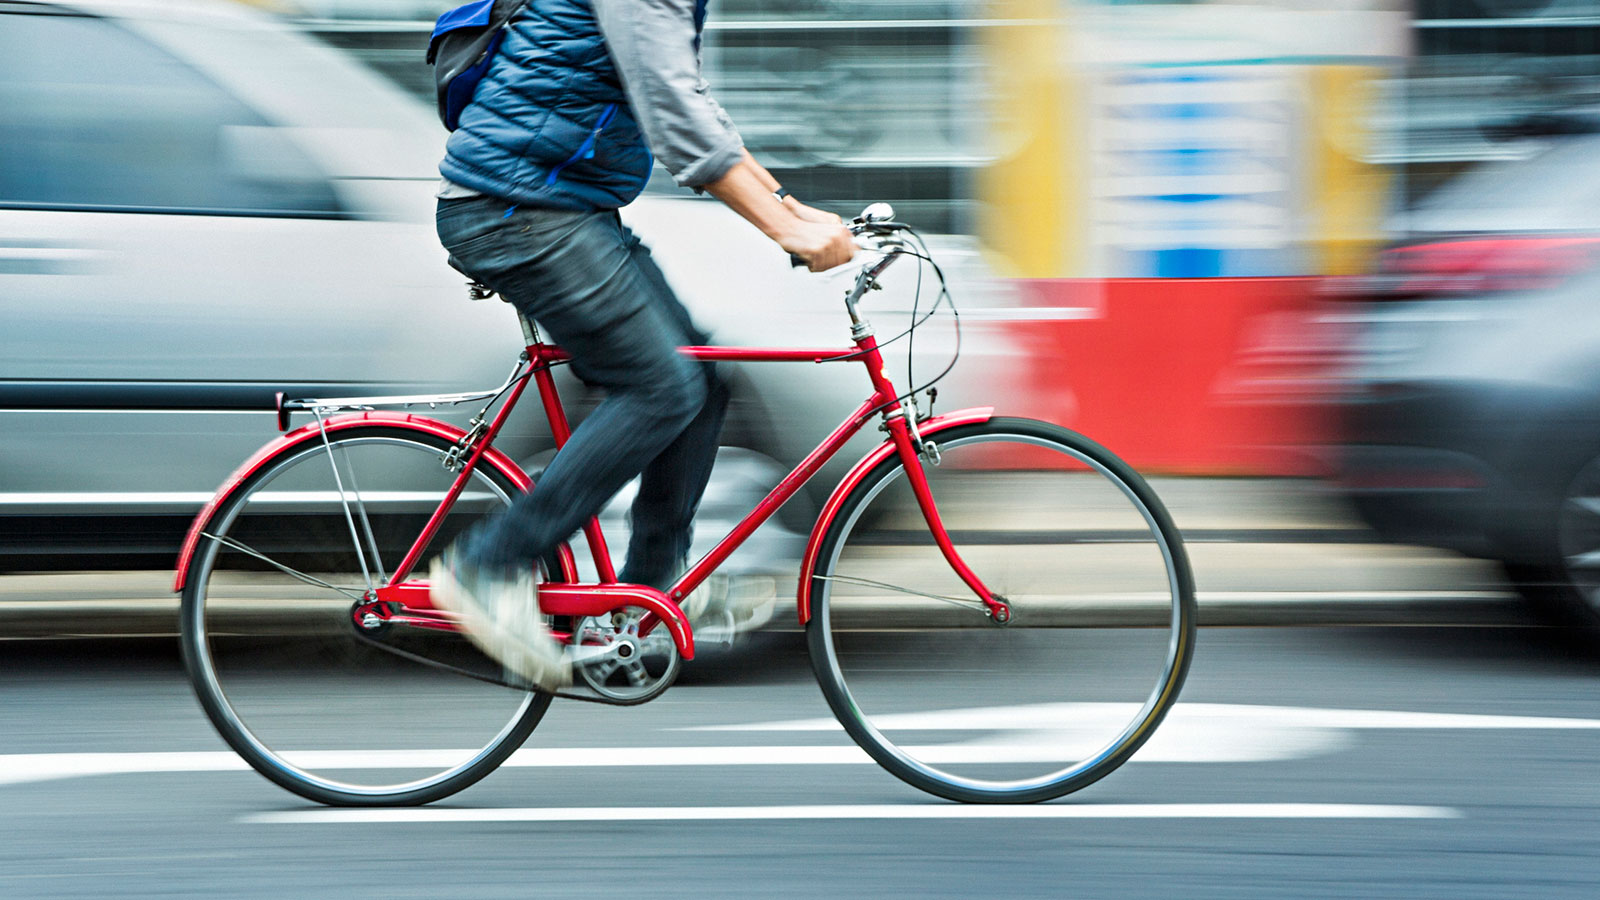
x=1347 y=196
x=1033 y=197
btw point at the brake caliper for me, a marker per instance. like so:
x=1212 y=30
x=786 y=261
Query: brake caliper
x=457 y=456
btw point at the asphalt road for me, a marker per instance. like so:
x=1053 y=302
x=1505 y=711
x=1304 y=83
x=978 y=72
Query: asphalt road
x=1366 y=762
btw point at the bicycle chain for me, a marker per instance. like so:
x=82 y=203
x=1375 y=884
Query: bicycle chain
x=501 y=682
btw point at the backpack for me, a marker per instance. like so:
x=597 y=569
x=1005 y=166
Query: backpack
x=463 y=43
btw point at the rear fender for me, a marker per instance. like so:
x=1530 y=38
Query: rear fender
x=308 y=433
x=830 y=509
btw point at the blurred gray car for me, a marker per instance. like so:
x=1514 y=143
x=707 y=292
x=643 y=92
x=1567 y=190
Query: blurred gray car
x=200 y=207
x=1471 y=419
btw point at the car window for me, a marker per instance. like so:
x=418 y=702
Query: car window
x=96 y=117
x=1561 y=178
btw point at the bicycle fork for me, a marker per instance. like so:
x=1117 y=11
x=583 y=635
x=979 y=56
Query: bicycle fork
x=995 y=606
x=900 y=422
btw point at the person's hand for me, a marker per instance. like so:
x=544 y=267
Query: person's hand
x=822 y=245
x=809 y=214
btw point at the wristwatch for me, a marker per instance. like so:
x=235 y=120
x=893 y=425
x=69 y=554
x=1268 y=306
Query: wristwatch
x=780 y=193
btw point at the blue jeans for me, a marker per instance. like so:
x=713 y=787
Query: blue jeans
x=593 y=288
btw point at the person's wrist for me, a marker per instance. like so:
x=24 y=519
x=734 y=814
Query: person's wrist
x=784 y=233
x=770 y=219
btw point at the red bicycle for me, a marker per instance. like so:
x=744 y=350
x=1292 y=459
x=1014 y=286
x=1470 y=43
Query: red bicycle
x=996 y=609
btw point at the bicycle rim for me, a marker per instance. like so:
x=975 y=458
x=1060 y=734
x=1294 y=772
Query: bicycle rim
x=1102 y=626
x=278 y=661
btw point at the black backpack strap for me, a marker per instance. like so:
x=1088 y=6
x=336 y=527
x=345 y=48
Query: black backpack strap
x=498 y=19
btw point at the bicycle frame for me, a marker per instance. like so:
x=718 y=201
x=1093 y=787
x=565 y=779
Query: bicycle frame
x=570 y=599
x=884 y=400
x=399 y=600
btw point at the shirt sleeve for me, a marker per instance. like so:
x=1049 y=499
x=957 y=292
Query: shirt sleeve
x=653 y=45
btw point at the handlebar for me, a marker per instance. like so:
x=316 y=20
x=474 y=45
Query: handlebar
x=875 y=223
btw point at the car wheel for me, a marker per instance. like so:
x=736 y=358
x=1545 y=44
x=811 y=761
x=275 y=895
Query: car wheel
x=1578 y=538
x=1567 y=583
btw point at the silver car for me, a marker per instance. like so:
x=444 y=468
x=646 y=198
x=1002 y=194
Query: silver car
x=200 y=207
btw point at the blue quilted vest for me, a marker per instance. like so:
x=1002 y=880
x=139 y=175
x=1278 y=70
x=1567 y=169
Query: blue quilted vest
x=549 y=124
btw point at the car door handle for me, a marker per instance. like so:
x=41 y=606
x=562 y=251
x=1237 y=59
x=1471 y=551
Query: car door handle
x=57 y=260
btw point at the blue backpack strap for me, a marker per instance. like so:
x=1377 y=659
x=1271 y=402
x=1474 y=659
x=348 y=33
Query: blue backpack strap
x=477 y=14
x=462 y=45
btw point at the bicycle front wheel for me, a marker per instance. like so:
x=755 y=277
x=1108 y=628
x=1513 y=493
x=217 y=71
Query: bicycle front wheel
x=1102 y=626
x=292 y=682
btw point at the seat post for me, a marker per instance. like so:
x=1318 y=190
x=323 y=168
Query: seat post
x=530 y=331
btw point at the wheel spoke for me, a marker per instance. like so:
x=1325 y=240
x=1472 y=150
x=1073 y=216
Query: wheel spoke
x=966 y=602
x=352 y=593
x=283 y=671
x=1100 y=639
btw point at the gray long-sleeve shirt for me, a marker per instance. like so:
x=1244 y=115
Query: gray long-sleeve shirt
x=654 y=46
x=656 y=51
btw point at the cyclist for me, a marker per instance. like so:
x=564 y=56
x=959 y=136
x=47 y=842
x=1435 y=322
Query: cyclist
x=559 y=135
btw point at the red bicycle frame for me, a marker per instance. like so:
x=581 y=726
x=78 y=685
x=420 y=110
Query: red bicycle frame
x=405 y=602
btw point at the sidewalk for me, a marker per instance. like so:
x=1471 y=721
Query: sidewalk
x=1264 y=552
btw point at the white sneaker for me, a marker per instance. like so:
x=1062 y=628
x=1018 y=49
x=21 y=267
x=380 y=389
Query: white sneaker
x=502 y=618
x=724 y=606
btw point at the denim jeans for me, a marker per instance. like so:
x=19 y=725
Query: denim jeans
x=594 y=290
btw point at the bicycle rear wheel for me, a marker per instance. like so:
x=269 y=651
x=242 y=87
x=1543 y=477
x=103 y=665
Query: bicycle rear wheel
x=1102 y=627
x=281 y=667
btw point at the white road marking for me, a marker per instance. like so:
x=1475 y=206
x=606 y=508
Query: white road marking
x=438 y=815
x=1030 y=747
x=17 y=768
x=1068 y=715
x=1192 y=733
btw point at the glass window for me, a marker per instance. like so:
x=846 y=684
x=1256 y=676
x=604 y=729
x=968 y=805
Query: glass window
x=96 y=117
x=1561 y=179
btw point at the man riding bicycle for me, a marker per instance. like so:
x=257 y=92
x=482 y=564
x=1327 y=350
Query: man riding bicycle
x=559 y=135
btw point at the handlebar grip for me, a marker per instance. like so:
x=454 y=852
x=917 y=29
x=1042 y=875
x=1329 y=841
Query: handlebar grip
x=797 y=262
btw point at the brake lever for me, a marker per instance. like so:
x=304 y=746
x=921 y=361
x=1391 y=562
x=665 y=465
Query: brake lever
x=872 y=242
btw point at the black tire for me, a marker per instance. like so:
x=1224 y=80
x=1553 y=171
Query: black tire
x=950 y=652
x=1562 y=582
x=272 y=666
x=1577 y=542
x=1548 y=597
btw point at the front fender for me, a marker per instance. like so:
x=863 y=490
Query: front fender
x=311 y=432
x=853 y=478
